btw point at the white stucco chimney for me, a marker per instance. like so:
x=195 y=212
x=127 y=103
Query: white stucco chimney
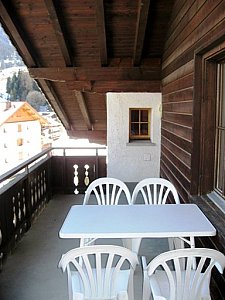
x=8 y=105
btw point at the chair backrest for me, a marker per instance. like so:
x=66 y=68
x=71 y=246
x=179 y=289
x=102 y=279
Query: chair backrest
x=190 y=282
x=107 y=191
x=154 y=191
x=99 y=269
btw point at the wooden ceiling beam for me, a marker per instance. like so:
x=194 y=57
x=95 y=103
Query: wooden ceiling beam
x=142 y=18
x=103 y=87
x=83 y=109
x=100 y=19
x=58 y=31
x=102 y=73
x=9 y=25
x=54 y=101
x=126 y=86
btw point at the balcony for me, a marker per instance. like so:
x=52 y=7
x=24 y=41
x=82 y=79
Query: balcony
x=31 y=270
x=34 y=200
x=29 y=244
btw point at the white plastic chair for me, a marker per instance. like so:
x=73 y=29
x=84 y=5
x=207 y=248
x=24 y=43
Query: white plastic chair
x=105 y=191
x=106 y=272
x=155 y=191
x=165 y=278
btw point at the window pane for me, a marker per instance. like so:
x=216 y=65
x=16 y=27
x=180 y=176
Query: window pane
x=144 y=116
x=220 y=161
x=135 y=129
x=144 y=129
x=220 y=133
x=134 y=115
x=222 y=112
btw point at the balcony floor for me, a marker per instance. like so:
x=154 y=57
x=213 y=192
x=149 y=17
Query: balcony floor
x=31 y=273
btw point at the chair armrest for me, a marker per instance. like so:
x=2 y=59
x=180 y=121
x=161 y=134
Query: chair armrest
x=146 y=292
x=122 y=295
x=144 y=263
x=78 y=296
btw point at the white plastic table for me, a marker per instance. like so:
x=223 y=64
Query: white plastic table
x=136 y=221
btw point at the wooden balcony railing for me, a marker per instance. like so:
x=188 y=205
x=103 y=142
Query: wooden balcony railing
x=25 y=190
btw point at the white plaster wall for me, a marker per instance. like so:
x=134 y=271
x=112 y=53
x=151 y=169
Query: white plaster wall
x=30 y=134
x=132 y=162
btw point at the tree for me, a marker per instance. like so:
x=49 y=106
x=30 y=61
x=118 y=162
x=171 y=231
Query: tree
x=36 y=100
x=11 y=87
x=21 y=87
x=24 y=85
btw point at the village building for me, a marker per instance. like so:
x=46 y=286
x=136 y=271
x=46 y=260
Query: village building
x=20 y=133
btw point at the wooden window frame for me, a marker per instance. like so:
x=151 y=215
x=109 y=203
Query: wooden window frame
x=204 y=118
x=138 y=137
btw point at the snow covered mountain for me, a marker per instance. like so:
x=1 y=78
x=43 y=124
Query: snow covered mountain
x=8 y=55
x=10 y=62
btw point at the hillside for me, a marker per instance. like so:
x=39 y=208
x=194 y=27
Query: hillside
x=10 y=62
x=8 y=55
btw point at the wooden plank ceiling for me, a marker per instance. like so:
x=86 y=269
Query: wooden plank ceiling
x=80 y=50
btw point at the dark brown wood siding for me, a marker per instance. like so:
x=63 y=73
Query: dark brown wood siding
x=195 y=26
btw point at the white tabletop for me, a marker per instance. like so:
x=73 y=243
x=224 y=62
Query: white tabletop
x=135 y=221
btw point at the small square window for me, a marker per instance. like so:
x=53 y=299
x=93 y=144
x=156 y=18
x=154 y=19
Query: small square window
x=19 y=142
x=20 y=155
x=140 y=123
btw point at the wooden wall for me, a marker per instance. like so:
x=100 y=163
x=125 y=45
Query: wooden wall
x=195 y=25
